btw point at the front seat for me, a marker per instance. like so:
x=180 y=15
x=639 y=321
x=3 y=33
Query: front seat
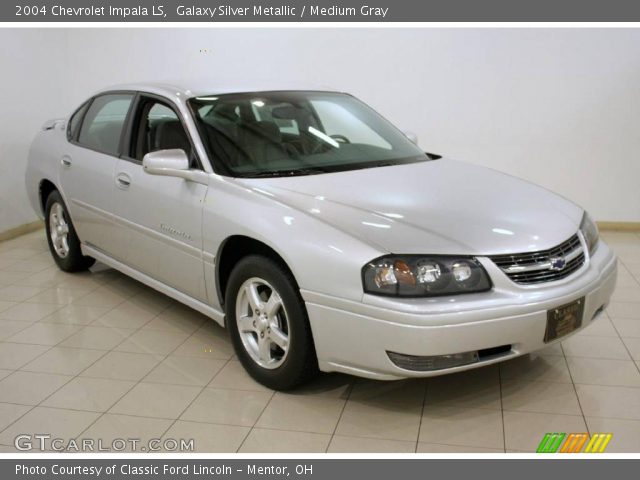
x=170 y=135
x=263 y=142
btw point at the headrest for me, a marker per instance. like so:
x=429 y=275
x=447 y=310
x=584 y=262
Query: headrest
x=266 y=129
x=171 y=135
x=226 y=110
x=290 y=112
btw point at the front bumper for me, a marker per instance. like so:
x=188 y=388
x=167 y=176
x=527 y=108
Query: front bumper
x=354 y=337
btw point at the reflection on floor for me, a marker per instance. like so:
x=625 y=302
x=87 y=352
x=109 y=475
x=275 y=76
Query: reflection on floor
x=100 y=356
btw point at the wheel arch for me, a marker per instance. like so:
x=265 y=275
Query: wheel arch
x=45 y=188
x=233 y=249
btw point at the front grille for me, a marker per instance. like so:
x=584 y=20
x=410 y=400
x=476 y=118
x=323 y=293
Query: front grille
x=543 y=266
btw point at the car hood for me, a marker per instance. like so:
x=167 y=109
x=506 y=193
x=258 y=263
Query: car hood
x=435 y=207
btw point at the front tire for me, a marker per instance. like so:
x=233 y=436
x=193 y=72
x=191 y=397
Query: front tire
x=63 y=240
x=268 y=324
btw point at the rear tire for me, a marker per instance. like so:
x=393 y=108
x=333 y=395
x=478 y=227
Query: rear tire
x=63 y=240
x=268 y=324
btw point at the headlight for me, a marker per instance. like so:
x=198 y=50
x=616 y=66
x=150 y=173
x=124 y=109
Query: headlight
x=589 y=230
x=418 y=276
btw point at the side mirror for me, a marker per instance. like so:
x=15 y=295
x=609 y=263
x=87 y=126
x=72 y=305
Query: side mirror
x=172 y=163
x=411 y=136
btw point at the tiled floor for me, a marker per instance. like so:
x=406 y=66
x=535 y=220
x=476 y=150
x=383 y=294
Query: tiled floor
x=99 y=356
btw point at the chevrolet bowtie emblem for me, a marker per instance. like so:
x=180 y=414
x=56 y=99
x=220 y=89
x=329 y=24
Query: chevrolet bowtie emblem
x=557 y=263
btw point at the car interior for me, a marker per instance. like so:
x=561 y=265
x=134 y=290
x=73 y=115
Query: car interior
x=238 y=133
x=159 y=128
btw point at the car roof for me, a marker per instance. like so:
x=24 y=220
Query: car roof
x=180 y=90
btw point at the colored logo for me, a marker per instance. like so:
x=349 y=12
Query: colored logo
x=574 y=443
x=557 y=263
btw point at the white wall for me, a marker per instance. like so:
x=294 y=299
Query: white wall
x=32 y=90
x=558 y=107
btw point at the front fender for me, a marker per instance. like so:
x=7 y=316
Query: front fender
x=321 y=257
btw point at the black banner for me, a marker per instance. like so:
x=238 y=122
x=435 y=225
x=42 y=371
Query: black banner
x=316 y=469
x=319 y=11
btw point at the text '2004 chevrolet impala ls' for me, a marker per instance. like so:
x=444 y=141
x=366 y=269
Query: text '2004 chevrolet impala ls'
x=318 y=233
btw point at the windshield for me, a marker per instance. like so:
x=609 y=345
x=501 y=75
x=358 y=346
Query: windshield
x=297 y=133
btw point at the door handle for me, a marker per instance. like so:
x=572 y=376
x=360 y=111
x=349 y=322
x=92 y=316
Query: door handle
x=66 y=161
x=123 y=180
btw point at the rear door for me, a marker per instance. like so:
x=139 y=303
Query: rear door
x=87 y=169
x=162 y=215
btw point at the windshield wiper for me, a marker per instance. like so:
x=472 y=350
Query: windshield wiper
x=286 y=173
x=385 y=164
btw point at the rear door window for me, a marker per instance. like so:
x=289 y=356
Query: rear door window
x=74 y=121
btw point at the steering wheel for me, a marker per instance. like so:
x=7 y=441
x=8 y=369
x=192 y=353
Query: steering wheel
x=321 y=145
x=340 y=138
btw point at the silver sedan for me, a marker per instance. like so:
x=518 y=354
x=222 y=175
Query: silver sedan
x=317 y=232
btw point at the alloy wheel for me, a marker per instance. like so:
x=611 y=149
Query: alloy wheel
x=263 y=323
x=59 y=230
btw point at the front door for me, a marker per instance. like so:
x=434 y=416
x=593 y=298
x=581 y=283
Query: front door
x=162 y=215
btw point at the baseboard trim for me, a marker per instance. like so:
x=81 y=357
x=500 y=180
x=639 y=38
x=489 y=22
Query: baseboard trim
x=619 y=226
x=21 y=230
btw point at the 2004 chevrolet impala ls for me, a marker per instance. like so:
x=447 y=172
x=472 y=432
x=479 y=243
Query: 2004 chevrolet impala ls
x=318 y=233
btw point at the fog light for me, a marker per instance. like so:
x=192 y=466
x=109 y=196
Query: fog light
x=435 y=362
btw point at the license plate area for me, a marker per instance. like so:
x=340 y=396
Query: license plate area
x=563 y=320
